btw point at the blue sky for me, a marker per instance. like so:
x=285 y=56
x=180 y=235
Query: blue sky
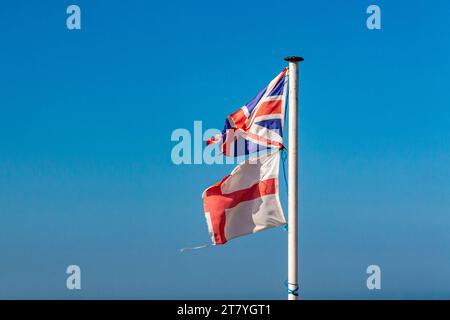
x=86 y=176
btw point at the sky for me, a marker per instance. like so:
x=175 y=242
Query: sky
x=86 y=175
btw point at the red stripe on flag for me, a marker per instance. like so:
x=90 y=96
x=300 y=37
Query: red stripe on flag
x=215 y=203
x=238 y=119
x=269 y=107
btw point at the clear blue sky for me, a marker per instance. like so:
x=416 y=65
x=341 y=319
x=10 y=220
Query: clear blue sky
x=86 y=176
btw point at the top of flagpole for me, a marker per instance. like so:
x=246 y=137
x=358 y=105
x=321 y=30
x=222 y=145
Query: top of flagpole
x=294 y=59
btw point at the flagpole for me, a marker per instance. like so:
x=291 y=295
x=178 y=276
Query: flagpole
x=293 y=178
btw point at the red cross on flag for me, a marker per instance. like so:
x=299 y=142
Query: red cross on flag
x=246 y=201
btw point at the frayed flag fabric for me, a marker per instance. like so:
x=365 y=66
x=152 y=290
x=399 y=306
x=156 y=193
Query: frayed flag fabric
x=246 y=201
x=258 y=125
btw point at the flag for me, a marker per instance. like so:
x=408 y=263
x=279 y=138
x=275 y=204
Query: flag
x=257 y=125
x=246 y=201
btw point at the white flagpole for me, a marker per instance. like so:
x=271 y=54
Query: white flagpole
x=293 y=178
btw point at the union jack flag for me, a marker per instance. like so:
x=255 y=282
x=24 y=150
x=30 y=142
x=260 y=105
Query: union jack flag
x=258 y=125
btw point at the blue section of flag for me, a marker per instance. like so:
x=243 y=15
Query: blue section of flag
x=252 y=103
x=278 y=89
x=273 y=124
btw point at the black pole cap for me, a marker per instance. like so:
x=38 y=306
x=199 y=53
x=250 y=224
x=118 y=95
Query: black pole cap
x=293 y=59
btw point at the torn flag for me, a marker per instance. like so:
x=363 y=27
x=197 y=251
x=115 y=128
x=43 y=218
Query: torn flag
x=246 y=201
x=257 y=125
